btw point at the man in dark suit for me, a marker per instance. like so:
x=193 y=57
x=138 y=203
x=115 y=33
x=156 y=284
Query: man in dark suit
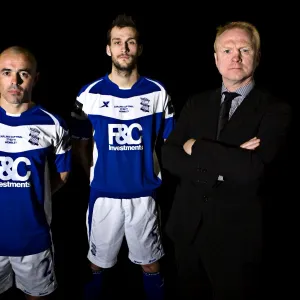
x=225 y=143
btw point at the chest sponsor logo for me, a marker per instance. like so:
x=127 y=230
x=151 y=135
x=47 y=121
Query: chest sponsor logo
x=14 y=172
x=125 y=138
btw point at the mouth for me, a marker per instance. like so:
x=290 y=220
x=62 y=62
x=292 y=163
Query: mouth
x=235 y=69
x=15 y=92
x=124 y=56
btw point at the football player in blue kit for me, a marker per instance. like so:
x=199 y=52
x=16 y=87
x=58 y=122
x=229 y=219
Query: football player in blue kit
x=125 y=114
x=31 y=138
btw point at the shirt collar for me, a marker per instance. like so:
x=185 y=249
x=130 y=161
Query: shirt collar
x=243 y=91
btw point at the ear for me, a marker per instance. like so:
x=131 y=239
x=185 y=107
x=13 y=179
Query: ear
x=140 y=50
x=37 y=78
x=108 y=50
x=257 y=60
x=216 y=58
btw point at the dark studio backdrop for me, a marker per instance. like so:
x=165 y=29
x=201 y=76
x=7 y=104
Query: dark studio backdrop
x=178 y=51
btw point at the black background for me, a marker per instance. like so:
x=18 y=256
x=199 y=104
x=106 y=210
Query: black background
x=69 y=43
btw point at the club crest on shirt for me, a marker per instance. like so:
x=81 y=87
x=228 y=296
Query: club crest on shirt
x=34 y=136
x=145 y=104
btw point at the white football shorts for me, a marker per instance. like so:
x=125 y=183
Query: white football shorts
x=34 y=274
x=112 y=218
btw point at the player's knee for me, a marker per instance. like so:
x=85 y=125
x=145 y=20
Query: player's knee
x=151 y=268
x=95 y=268
x=29 y=297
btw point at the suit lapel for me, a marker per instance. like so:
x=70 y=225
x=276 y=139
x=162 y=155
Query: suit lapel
x=208 y=121
x=243 y=112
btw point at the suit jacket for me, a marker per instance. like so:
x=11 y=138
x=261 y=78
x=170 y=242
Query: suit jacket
x=226 y=214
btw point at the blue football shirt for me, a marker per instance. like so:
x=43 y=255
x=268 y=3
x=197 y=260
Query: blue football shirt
x=125 y=125
x=29 y=142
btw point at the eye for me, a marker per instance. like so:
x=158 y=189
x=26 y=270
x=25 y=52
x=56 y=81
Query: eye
x=6 y=73
x=227 y=51
x=24 y=74
x=245 y=50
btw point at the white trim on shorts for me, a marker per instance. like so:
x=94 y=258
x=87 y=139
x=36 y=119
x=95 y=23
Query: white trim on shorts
x=136 y=218
x=34 y=274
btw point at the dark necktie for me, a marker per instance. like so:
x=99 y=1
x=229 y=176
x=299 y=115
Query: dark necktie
x=224 y=111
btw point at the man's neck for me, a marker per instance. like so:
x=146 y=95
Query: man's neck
x=234 y=85
x=15 y=109
x=124 y=80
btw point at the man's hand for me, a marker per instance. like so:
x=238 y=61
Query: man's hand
x=58 y=180
x=251 y=144
x=187 y=147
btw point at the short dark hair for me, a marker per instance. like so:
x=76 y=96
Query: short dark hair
x=122 y=21
x=22 y=50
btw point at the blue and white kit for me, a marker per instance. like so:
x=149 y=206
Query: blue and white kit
x=125 y=125
x=29 y=143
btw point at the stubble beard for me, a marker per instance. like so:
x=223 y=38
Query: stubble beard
x=15 y=100
x=127 y=68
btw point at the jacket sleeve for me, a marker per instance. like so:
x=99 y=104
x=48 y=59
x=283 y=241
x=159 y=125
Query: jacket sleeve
x=174 y=159
x=230 y=162
x=243 y=166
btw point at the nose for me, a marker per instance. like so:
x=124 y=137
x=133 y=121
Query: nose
x=16 y=79
x=125 y=47
x=236 y=56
